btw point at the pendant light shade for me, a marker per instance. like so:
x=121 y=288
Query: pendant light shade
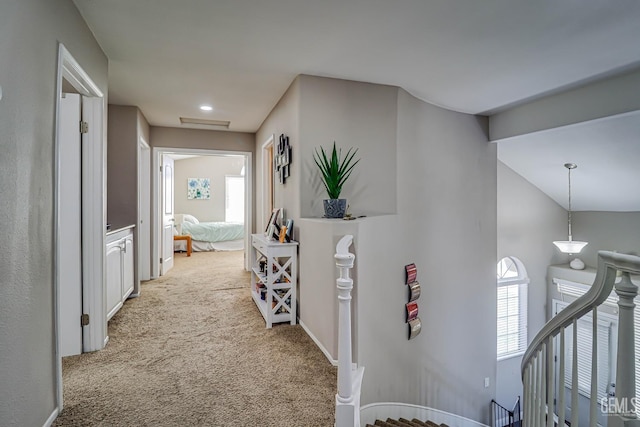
x=570 y=246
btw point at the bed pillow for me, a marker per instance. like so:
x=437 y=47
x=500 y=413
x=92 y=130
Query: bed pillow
x=190 y=218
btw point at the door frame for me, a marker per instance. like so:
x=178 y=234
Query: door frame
x=144 y=214
x=93 y=206
x=268 y=181
x=156 y=211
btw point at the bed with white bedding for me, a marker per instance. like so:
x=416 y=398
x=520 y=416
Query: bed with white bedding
x=208 y=236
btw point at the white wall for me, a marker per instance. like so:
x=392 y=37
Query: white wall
x=30 y=31
x=446 y=224
x=283 y=119
x=353 y=114
x=126 y=125
x=528 y=222
x=437 y=171
x=609 y=231
x=216 y=168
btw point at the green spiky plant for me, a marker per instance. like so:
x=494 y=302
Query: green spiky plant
x=335 y=169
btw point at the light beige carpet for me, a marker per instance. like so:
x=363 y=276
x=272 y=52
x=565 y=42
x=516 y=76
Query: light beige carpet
x=193 y=350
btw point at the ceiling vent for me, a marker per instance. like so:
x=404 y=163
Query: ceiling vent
x=205 y=122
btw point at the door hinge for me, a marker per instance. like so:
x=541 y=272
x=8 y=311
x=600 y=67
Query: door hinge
x=84 y=319
x=160 y=260
x=84 y=127
x=160 y=168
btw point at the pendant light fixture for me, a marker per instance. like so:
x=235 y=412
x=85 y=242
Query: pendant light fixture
x=571 y=246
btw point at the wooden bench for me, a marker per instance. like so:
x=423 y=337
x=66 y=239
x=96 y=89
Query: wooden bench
x=188 y=239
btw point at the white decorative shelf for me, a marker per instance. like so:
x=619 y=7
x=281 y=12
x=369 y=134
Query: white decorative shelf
x=277 y=281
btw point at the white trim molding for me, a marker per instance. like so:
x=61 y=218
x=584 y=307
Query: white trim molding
x=51 y=418
x=324 y=351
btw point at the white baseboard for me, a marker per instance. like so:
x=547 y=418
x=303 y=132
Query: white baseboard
x=51 y=418
x=319 y=344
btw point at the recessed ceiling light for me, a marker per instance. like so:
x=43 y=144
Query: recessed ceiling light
x=206 y=107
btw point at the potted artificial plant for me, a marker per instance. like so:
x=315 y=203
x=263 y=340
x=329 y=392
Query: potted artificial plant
x=335 y=171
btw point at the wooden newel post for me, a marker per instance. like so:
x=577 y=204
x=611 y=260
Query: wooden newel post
x=625 y=375
x=345 y=408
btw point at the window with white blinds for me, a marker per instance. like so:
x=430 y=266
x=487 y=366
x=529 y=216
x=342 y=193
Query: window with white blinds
x=612 y=300
x=585 y=342
x=511 y=308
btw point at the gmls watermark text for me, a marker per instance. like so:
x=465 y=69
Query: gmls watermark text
x=619 y=406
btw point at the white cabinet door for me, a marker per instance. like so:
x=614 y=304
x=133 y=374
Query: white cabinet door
x=127 y=268
x=114 y=277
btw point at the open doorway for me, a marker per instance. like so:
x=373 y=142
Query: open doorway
x=79 y=201
x=205 y=194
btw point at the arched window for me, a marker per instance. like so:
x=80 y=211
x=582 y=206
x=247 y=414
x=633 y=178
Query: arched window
x=512 y=307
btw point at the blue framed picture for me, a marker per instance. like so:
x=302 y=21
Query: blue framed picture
x=198 y=188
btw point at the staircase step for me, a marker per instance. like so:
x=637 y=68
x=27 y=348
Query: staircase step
x=409 y=423
x=398 y=423
x=402 y=422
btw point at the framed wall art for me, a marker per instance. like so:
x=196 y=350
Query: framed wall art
x=415 y=326
x=198 y=188
x=282 y=159
x=414 y=291
x=411 y=273
x=412 y=311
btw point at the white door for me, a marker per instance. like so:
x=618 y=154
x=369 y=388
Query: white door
x=144 y=212
x=69 y=239
x=167 y=214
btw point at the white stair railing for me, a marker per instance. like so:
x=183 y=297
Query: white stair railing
x=537 y=367
x=349 y=379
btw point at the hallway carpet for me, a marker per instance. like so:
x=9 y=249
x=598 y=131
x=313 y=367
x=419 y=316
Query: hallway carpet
x=193 y=350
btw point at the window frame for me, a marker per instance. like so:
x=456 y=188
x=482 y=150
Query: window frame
x=521 y=281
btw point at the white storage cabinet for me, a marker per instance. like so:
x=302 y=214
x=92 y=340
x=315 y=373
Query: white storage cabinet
x=274 y=287
x=119 y=268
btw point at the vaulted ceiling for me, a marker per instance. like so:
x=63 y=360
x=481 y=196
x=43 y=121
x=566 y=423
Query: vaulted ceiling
x=168 y=57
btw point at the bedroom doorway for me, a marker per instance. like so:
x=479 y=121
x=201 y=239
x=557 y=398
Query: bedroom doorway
x=205 y=193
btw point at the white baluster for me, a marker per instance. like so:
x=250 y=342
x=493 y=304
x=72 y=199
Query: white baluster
x=528 y=394
x=345 y=408
x=543 y=384
x=550 y=387
x=574 y=376
x=561 y=393
x=594 y=402
x=625 y=375
x=525 y=400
